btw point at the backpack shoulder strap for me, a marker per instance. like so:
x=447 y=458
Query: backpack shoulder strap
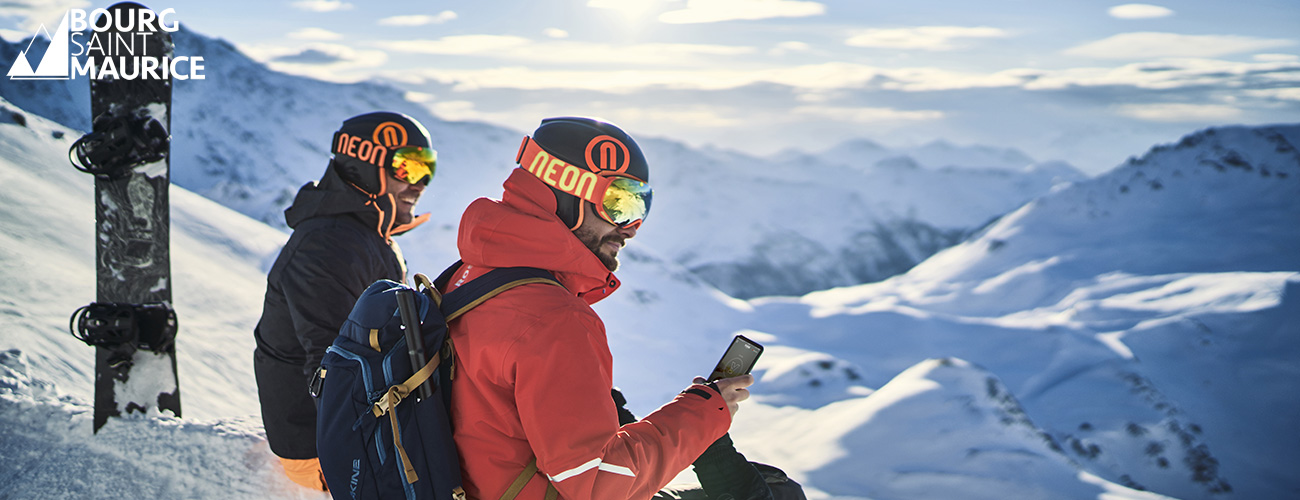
x=469 y=295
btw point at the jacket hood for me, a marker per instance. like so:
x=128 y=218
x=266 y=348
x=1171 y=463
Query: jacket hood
x=522 y=230
x=334 y=196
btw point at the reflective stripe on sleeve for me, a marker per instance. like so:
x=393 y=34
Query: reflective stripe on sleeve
x=595 y=463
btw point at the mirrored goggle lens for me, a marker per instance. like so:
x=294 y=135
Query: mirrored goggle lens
x=414 y=164
x=626 y=201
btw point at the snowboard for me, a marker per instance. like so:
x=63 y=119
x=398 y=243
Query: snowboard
x=131 y=324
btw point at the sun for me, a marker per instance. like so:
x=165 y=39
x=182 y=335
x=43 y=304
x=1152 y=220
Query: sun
x=630 y=9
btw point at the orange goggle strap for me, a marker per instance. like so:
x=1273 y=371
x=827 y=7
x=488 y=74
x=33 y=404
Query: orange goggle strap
x=561 y=175
x=572 y=179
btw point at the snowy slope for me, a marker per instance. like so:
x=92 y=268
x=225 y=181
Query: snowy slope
x=665 y=326
x=1145 y=321
x=248 y=137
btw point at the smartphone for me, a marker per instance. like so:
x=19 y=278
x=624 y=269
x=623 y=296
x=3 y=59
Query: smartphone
x=738 y=360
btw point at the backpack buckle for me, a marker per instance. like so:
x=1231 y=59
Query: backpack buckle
x=317 y=380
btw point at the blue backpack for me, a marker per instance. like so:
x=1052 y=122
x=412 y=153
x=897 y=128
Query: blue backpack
x=377 y=435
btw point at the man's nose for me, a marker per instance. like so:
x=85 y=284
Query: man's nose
x=629 y=231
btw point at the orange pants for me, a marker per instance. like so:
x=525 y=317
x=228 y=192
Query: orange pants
x=305 y=472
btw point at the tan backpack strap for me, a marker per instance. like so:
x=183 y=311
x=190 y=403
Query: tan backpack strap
x=389 y=401
x=524 y=477
x=423 y=284
x=520 y=481
x=456 y=314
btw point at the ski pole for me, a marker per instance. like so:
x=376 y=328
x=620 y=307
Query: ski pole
x=414 y=341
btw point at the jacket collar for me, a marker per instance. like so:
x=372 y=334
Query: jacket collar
x=522 y=230
x=334 y=196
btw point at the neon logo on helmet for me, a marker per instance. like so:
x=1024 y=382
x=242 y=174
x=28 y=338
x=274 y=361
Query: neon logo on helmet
x=390 y=134
x=610 y=154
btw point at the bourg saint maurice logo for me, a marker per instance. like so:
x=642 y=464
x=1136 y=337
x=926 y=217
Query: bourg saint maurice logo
x=105 y=44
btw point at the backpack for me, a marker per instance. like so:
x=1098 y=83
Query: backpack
x=376 y=438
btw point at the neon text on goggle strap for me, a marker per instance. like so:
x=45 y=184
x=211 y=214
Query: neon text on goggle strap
x=561 y=175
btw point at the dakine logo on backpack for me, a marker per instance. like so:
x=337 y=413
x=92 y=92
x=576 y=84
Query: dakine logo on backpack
x=107 y=43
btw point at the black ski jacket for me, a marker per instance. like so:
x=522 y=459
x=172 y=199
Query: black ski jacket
x=341 y=243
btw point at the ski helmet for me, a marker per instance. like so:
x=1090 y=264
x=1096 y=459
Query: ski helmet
x=595 y=157
x=366 y=149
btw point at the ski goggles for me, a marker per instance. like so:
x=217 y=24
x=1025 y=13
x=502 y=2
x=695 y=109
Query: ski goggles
x=414 y=164
x=619 y=199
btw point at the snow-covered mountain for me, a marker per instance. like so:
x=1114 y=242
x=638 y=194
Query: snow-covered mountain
x=248 y=137
x=864 y=153
x=1144 y=321
x=801 y=223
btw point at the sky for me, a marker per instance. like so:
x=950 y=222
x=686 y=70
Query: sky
x=1088 y=82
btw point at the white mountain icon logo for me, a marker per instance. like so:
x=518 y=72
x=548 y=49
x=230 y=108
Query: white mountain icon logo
x=54 y=65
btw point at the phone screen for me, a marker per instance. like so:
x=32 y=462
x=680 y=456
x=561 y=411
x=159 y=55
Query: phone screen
x=738 y=360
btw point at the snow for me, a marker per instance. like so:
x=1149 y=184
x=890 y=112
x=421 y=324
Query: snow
x=1126 y=333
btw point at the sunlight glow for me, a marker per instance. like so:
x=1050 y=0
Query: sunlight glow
x=631 y=10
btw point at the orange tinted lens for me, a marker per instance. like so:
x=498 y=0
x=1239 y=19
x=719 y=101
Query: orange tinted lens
x=626 y=201
x=414 y=164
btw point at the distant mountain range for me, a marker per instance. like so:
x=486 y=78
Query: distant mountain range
x=248 y=137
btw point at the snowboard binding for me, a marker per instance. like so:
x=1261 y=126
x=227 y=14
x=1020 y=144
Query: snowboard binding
x=124 y=329
x=120 y=142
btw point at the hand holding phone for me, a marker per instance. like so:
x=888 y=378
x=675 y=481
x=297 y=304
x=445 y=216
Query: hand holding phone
x=738 y=360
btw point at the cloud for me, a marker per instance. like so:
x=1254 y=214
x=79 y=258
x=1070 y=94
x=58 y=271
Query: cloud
x=418 y=19
x=322 y=5
x=455 y=110
x=33 y=13
x=523 y=50
x=324 y=61
x=713 y=11
x=1151 y=45
x=1174 y=74
x=1176 y=112
x=555 y=33
x=921 y=37
x=456 y=45
x=1138 y=11
x=314 y=34
x=1276 y=57
x=414 y=96
x=789 y=47
x=866 y=114
x=809 y=77
x=1284 y=94
x=13 y=36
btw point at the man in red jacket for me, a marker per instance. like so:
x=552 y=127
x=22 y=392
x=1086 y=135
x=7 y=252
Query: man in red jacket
x=533 y=371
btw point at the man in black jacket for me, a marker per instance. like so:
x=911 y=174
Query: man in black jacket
x=341 y=243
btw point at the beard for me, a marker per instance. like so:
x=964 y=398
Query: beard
x=596 y=244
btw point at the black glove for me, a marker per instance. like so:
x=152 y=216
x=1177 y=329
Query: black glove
x=725 y=474
x=625 y=416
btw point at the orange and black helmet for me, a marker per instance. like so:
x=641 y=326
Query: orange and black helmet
x=586 y=159
x=372 y=148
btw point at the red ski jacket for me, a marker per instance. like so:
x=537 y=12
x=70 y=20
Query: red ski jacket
x=534 y=371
